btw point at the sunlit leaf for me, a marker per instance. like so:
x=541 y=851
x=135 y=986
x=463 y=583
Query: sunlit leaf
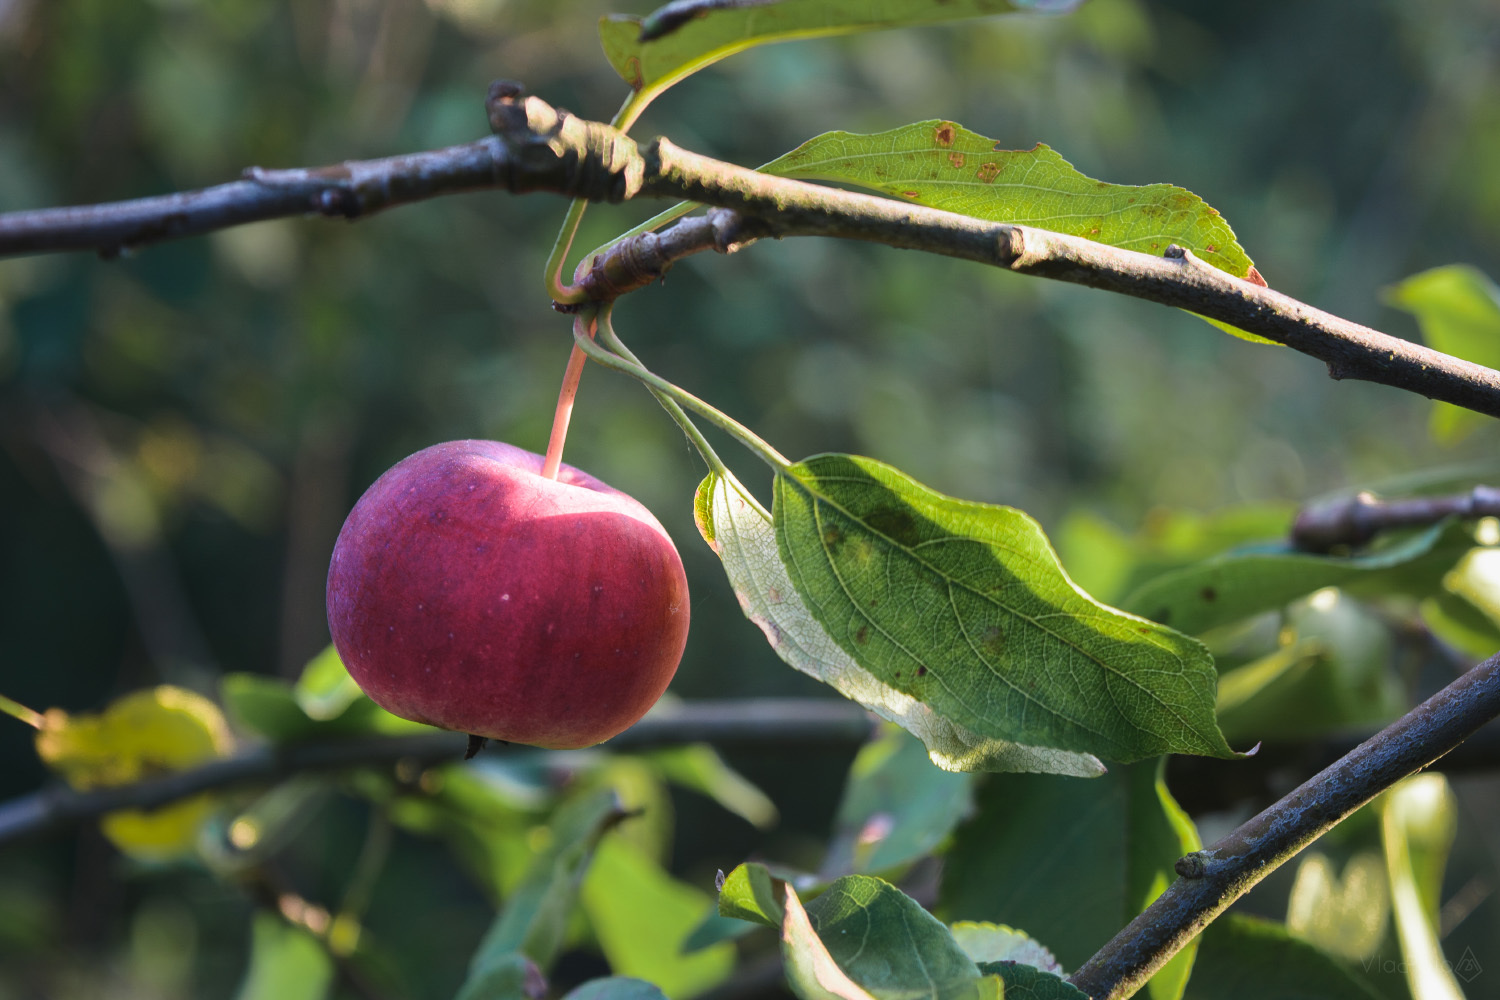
x=964 y=607
x=700 y=768
x=884 y=942
x=985 y=942
x=1345 y=916
x=535 y=919
x=896 y=807
x=650 y=67
x=1419 y=819
x=1458 y=309
x=810 y=969
x=943 y=165
x=140 y=735
x=286 y=963
x=1069 y=862
x=1245 y=582
x=325 y=689
x=751 y=893
x=642 y=916
x=739 y=530
x=1247 y=958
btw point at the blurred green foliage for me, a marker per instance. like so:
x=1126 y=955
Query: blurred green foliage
x=182 y=432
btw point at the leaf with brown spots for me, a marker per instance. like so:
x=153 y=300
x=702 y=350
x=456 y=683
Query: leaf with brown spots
x=964 y=608
x=943 y=165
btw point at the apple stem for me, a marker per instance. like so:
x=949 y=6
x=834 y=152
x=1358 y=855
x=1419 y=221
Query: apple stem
x=583 y=326
x=16 y=710
x=744 y=435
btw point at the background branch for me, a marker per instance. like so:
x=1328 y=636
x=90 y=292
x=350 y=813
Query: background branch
x=1357 y=520
x=791 y=722
x=1214 y=878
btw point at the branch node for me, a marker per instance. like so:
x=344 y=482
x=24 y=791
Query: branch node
x=1175 y=252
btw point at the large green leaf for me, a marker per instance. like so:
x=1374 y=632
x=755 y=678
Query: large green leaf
x=1070 y=863
x=884 y=942
x=1239 y=584
x=1458 y=309
x=964 y=607
x=1024 y=982
x=1247 y=958
x=943 y=165
x=896 y=807
x=708 y=35
x=534 y=922
x=740 y=531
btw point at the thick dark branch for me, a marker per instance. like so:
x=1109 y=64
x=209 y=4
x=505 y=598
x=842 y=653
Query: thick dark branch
x=352 y=189
x=1214 y=878
x=795 y=723
x=539 y=148
x=1357 y=520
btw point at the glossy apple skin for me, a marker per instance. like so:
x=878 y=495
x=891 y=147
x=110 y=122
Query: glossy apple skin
x=468 y=592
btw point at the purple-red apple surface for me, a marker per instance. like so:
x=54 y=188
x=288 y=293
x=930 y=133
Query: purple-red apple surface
x=468 y=592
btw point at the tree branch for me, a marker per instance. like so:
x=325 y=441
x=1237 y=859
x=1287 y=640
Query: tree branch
x=539 y=148
x=1357 y=520
x=1214 y=878
x=789 y=722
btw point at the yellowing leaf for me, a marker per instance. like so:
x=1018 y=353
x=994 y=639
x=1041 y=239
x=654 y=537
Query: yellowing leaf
x=142 y=735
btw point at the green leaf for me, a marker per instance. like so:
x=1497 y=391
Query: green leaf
x=700 y=768
x=740 y=531
x=1345 y=916
x=1246 y=582
x=271 y=707
x=993 y=944
x=534 y=922
x=286 y=963
x=325 y=689
x=651 y=67
x=751 y=893
x=943 y=165
x=1069 y=862
x=896 y=807
x=884 y=942
x=1334 y=673
x=507 y=977
x=964 y=607
x=1419 y=819
x=642 y=916
x=616 y=988
x=1247 y=958
x=1023 y=982
x=1458 y=310
x=810 y=969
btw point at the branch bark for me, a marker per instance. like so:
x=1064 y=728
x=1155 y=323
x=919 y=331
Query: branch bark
x=1214 y=878
x=791 y=722
x=1357 y=520
x=539 y=148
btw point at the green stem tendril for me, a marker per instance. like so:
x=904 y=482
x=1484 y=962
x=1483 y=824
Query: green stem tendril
x=610 y=339
x=584 y=326
x=744 y=435
x=16 y=710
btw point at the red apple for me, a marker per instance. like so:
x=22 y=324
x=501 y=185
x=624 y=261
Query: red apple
x=469 y=592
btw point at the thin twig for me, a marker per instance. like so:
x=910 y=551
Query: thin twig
x=1214 y=878
x=538 y=148
x=790 y=722
x=1357 y=520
